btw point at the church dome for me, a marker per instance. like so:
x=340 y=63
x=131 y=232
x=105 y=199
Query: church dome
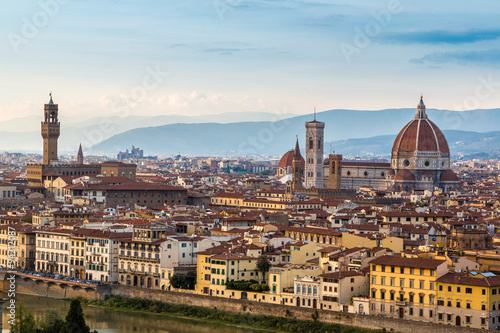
x=404 y=175
x=287 y=160
x=420 y=135
x=448 y=176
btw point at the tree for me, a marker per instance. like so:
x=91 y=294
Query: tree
x=263 y=265
x=24 y=321
x=75 y=323
x=184 y=281
x=51 y=322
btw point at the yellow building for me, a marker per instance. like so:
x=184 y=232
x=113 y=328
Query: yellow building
x=17 y=246
x=405 y=288
x=469 y=299
x=203 y=268
x=231 y=267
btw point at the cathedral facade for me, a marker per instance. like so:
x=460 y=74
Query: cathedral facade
x=420 y=160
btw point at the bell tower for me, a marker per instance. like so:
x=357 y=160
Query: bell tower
x=50 y=132
x=314 y=153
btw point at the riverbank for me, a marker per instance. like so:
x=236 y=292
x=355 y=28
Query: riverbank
x=114 y=320
x=215 y=315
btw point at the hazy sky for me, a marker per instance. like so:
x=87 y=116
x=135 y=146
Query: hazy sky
x=103 y=57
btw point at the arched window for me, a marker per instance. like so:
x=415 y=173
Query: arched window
x=311 y=143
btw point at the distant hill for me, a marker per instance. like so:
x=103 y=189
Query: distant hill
x=256 y=133
x=272 y=138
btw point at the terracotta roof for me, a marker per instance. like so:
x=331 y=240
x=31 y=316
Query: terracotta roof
x=420 y=134
x=407 y=262
x=287 y=159
x=341 y=274
x=404 y=175
x=464 y=279
x=448 y=176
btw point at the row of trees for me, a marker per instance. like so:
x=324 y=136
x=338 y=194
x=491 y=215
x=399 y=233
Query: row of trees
x=51 y=322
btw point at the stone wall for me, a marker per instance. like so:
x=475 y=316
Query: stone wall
x=42 y=288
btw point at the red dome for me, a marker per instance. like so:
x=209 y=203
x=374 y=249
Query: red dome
x=287 y=160
x=448 y=176
x=404 y=175
x=420 y=134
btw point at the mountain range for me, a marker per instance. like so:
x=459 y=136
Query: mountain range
x=350 y=132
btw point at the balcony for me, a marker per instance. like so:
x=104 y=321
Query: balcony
x=127 y=257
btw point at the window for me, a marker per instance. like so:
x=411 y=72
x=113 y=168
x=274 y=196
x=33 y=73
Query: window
x=421 y=284
x=374 y=280
x=440 y=288
x=458 y=304
x=411 y=311
x=494 y=292
x=392 y=269
x=440 y=316
x=483 y=307
x=421 y=312
x=383 y=268
x=431 y=285
x=411 y=283
x=411 y=271
x=402 y=270
x=483 y=291
x=374 y=268
x=421 y=299
x=449 y=289
x=401 y=283
x=467 y=305
x=448 y=303
x=382 y=294
x=392 y=282
x=382 y=280
x=422 y=272
x=458 y=289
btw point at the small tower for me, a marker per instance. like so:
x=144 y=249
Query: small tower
x=335 y=170
x=79 y=157
x=314 y=153
x=297 y=168
x=50 y=132
x=421 y=109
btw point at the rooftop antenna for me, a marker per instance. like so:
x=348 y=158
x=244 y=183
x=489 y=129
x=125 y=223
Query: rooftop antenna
x=314 y=113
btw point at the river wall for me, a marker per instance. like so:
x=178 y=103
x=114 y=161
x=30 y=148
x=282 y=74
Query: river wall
x=53 y=290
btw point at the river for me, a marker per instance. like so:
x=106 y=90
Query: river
x=116 y=321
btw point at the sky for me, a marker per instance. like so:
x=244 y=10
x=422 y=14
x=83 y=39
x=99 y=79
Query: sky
x=198 y=57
